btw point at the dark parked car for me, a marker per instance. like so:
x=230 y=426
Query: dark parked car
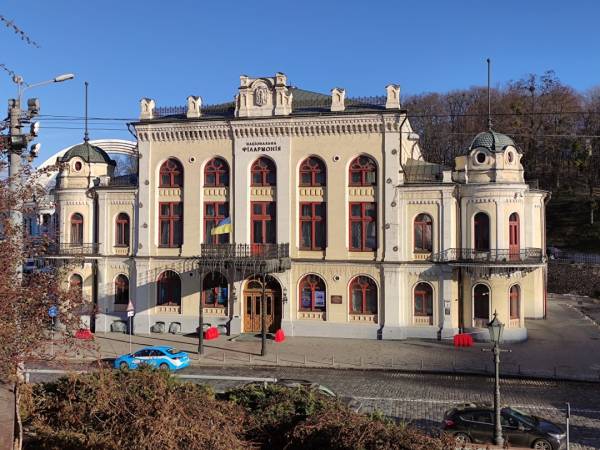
x=473 y=422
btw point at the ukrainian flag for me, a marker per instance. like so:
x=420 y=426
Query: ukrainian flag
x=223 y=227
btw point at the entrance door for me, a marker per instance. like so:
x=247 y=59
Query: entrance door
x=252 y=306
x=481 y=306
x=514 y=247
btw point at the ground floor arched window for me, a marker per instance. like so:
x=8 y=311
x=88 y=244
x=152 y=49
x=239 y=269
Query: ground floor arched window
x=363 y=295
x=215 y=290
x=168 y=289
x=423 y=300
x=312 y=293
x=481 y=304
x=515 y=302
x=121 y=290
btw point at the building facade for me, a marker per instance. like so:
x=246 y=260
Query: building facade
x=336 y=220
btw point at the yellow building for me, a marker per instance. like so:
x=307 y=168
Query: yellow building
x=335 y=218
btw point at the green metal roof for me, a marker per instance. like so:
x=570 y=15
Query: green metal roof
x=494 y=142
x=85 y=151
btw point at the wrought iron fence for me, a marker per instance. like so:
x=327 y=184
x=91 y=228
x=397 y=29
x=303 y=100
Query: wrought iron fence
x=244 y=251
x=499 y=256
x=73 y=249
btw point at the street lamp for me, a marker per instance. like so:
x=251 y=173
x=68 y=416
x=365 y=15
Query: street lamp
x=495 y=327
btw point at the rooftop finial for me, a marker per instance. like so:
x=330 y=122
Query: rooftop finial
x=86 y=136
x=489 y=66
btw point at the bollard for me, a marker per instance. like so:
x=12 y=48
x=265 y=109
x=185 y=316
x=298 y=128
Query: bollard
x=276 y=359
x=305 y=359
x=421 y=365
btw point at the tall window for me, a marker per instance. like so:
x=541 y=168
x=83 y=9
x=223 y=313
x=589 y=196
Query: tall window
x=216 y=173
x=312 y=293
x=482 y=232
x=76 y=283
x=263 y=223
x=515 y=300
x=481 y=302
x=121 y=290
x=214 y=212
x=171 y=224
x=423 y=300
x=171 y=174
x=168 y=289
x=77 y=229
x=363 y=226
x=363 y=296
x=423 y=233
x=214 y=290
x=513 y=232
x=363 y=172
x=312 y=226
x=263 y=172
x=122 y=232
x=313 y=172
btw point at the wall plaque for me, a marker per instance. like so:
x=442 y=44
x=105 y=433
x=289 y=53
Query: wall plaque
x=336 y=299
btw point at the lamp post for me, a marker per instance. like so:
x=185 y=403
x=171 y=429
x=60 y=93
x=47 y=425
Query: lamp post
x=496 y=328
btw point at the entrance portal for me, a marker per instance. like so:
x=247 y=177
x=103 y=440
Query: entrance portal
x=253 y=293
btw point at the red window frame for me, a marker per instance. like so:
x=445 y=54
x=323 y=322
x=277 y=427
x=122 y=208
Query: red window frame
x=315 y=221
x=264 y=217
x=121 y=290
x=220 y=212
x=172 y=221
x=425 y=292
x=122 y=230
x=481 y=228
x=314 y=169
x=424 y=224
x=364 y=220
x=514 y=238
x=171 y=283
x=77 y=229
x=214 y=282
x=263 y=172
x=313 y=283
x=363 y=284
x=364 y=168
x=515 y=302
x=171 y=174
x=216 y=173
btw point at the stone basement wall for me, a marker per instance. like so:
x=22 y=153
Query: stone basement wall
x=576 y=278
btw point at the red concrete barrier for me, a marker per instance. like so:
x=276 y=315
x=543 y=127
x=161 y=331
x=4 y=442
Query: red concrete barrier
x=279 y=336
x=84 y=334
x=463 y=340
x=211 y=333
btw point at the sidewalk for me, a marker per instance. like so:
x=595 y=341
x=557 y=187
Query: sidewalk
x=565 y=346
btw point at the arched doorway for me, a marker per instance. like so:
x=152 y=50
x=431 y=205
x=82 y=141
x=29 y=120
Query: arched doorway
x=253 y=292
x=481 y=305
x=514 y=238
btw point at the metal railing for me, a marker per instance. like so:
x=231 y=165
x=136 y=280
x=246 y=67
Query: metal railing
x=244 y=251
x=496 y=256
x=73 y=249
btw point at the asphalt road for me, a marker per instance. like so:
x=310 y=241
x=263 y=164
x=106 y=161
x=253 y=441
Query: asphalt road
x=422 y=398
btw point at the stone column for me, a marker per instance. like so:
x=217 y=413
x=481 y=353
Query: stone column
x=141 y=292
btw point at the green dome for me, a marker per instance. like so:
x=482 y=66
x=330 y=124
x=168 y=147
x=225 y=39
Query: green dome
x=85 y=151
x=494 y=142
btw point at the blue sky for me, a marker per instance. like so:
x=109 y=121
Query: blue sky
x=168 y=50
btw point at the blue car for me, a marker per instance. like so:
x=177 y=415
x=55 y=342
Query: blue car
x=160 y=357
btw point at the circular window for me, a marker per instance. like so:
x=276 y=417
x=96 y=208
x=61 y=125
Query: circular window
x=78 y=166
x=480 y=157
x=510 y=156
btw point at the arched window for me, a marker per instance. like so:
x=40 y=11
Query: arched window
x=264 y=172
x=363 y=296
x=313 y=172
x=481 y=304
x=76 y=283
x=216 y=173
x=214 y=290
x=515 y=302
x=312 y=293
x=171 y=174
x=423 y=233
x=121 y=290
x=482 y=232
x=122 y=231
x=423 y=300
x=363 y=172
x=514 y=246
x=77 y=229
x=168 y=289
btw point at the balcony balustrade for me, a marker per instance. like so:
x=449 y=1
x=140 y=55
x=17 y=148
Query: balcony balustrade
x=73 y=249
x=493 y=256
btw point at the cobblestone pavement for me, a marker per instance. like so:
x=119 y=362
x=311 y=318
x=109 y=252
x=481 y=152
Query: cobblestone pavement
x=422 y=399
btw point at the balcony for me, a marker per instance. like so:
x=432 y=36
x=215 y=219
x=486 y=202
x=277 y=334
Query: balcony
x=469 y=256
x=73 y=249
x=269 y=257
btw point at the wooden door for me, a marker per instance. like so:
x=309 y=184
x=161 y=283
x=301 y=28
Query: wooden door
x=252 y=311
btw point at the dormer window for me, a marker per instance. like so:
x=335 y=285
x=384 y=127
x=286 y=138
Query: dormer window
x=78 y=166
x=510 y=156
x=480 y=157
